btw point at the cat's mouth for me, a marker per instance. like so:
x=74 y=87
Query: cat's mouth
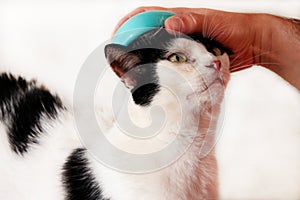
x=207 y=86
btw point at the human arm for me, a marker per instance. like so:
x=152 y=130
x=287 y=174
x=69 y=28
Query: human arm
x=262 y=39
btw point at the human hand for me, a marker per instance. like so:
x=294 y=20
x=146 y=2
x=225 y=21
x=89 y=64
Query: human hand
x=262 y=39
x=225 y=27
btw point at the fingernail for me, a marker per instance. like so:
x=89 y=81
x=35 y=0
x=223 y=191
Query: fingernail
x=174 y=23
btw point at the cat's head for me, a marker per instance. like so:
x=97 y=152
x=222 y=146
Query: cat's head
x=158 y=65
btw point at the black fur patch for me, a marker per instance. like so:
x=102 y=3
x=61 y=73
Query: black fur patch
x=22 y=105
x=210 y=44
x=144 y=94
x=147 y=83
x=146 y=51
x=78 y=180
x=141 y=73
x=160 y=39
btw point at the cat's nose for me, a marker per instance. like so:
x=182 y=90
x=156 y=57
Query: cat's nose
x=215 y=64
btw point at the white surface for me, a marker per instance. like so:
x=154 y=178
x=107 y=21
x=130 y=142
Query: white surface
x=261 y=136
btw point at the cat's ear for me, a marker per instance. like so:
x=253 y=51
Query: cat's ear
x=121 y=62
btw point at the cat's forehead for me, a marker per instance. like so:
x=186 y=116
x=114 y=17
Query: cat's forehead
x=186 y=45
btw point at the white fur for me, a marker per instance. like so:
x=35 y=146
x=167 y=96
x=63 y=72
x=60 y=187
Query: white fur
x=173 y=97
x=58 y=56
x=37 y=175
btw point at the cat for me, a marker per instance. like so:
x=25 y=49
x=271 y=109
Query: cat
x=42 y=157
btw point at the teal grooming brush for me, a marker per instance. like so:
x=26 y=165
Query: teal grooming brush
x=139 y=24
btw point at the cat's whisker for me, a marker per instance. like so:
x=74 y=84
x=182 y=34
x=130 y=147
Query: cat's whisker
x=210 y=33
x=211 y=29
x=233 y=67
x=245 y=60
x=156 y=32
x=267 y=63
x=204 y=25
x=239 y=55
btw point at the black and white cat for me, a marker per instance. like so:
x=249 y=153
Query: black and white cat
x=42 y=157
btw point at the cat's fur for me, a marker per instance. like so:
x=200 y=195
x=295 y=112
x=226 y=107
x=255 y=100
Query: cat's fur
x=42 y=158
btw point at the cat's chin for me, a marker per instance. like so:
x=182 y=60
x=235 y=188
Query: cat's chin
x=208 y=89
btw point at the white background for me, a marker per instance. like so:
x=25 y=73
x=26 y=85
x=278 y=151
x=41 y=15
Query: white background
x=50 y=40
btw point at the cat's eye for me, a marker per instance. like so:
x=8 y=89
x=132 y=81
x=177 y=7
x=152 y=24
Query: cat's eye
x=177 y=58
x=217 y=51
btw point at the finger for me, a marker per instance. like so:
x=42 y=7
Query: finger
x=198 y=21
x=178 y=10
x=191 y=23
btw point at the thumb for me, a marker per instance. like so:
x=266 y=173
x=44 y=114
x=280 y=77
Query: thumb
x=192 y=23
